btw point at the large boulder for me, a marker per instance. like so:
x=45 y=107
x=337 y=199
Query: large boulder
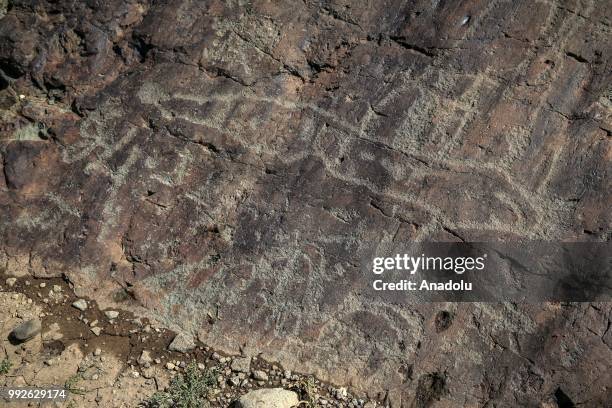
x=231 y=169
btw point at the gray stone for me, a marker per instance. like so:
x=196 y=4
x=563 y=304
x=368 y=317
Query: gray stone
x=340 y=393
x=111 y=314
x=26 y=330
x=182 y=343
x=267 y=398
x=260 y=375
x=241 y=364
x=145 y=358
x=11 y=282
x=80 y=304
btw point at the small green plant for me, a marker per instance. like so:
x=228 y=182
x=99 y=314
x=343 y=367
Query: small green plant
x=71 y=385
x=307 y=389
x=5 y=366
x=188 y=390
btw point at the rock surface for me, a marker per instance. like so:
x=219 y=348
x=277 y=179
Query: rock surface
x=80 y=304
x=145 y=358
x=241 y=365
x=230 y=168
x=111 y=314
x=259 y=375
x=267 y=398
x=182 y=343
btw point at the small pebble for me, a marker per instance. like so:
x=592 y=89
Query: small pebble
x=260 y=375
x=111 y=314
x=80 y=304
x=145 y=358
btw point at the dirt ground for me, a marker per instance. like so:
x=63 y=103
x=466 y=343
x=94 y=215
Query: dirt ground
x=107 y=367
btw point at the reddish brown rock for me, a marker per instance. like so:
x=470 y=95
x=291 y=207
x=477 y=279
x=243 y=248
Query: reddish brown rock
x=232 y=168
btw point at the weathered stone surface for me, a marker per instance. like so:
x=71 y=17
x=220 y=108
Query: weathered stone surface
x=259 y=375
x=145 y=358
x=245 y=160
x=111 y=314
x=182 y=343
x=241 y=364
x=80 y=304
x=267 y=398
